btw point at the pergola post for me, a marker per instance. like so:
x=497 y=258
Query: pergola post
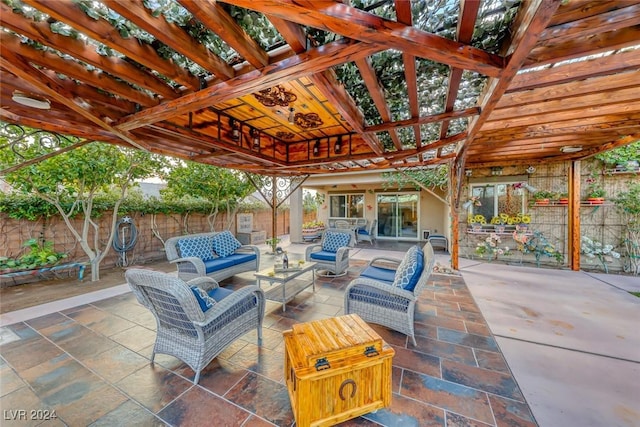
x=574 y=216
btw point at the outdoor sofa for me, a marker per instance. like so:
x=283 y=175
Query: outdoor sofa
x=218 y=255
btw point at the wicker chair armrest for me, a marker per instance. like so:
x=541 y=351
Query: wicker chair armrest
x=310 y=249
x=382 y=259
x=382 y=287
x=220 y=308
x=342 y=252
x=205 y=283
x=189 y=264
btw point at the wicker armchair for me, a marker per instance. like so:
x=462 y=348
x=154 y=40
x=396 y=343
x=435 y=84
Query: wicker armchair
x=332 y=253
x=376 y=298
x=184 y=330
x=368 y=233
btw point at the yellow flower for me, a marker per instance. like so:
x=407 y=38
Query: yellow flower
x=526 y=219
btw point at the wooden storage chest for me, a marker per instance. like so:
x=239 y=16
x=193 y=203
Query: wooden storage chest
x=336 y=369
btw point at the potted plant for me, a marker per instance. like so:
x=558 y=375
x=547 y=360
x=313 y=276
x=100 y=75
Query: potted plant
x=542 y=197
x=477 y=221
x=563 y=198
x=273 y=242
x=595 y=193
x=500 y=222
x=520 y=221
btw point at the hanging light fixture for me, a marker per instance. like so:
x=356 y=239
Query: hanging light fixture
x=255 y=135
x=292 y=115
x=337 y=148
x=316 y=148
x=31 y=100
x=235 y=129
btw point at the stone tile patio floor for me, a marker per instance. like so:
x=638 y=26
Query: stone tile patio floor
x=90 y=364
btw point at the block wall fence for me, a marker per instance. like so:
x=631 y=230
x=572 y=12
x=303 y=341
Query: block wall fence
x=152 y=231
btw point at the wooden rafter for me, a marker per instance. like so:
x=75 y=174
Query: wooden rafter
x=354 y=23
x=172 y=36
x=102 y=31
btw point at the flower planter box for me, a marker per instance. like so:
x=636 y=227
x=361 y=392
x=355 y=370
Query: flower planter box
x=595 y=200
x=253 y=238
x=43 y=272
x=312 y=233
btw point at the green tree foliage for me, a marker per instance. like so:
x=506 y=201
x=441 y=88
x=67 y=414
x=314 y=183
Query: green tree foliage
x=218 y=188
x=72 y=181
x=428 y=178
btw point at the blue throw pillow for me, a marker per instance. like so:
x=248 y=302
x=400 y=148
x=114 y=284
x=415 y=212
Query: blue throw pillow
x=409 y=270
x=199 y=247
x=333 y=241
x=224 y=243
x=205 y=301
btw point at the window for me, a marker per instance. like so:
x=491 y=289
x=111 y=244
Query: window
x=346 y=206
x=498 y=198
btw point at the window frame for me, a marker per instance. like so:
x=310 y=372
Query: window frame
x=506 y=181
x=347 y=204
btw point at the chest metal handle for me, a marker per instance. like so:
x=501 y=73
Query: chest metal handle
x=322 y=364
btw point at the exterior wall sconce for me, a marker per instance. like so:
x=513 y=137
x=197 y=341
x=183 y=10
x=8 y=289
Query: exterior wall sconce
x=255 y=138
x=235 y=129
x=337 y=148
x=316 y=148
x=496 y=170
x=468 y=172
x=292 y=115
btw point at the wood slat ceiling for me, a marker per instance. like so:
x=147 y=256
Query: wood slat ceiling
x=561 y=74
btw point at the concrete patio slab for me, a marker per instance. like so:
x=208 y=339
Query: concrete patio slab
x=570 y=338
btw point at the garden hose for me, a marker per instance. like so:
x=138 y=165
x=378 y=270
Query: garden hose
x=127 y=229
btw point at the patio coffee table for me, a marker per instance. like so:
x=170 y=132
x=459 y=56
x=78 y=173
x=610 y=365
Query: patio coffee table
x=284 y=285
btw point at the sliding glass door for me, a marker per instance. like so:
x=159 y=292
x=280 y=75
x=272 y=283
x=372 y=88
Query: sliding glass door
x=398 y=215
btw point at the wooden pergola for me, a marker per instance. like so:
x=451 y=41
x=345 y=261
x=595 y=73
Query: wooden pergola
x=297 y=87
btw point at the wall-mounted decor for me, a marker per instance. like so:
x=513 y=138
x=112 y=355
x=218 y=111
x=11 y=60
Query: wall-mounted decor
x=308 y=121
x=275 y=96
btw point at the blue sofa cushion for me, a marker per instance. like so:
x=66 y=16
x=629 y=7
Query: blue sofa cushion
x=199 y=247
x=218 y=264
x=333 y=241
x=409 y=270
x=240 y=258
x=205 y=301
x=379 y=273
x=363 y=231
x=224 y=243
x=323 y=256
x=219 y=293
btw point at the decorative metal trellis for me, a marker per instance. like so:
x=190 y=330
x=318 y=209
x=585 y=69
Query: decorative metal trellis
x=20 y=140
x=276 y=191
